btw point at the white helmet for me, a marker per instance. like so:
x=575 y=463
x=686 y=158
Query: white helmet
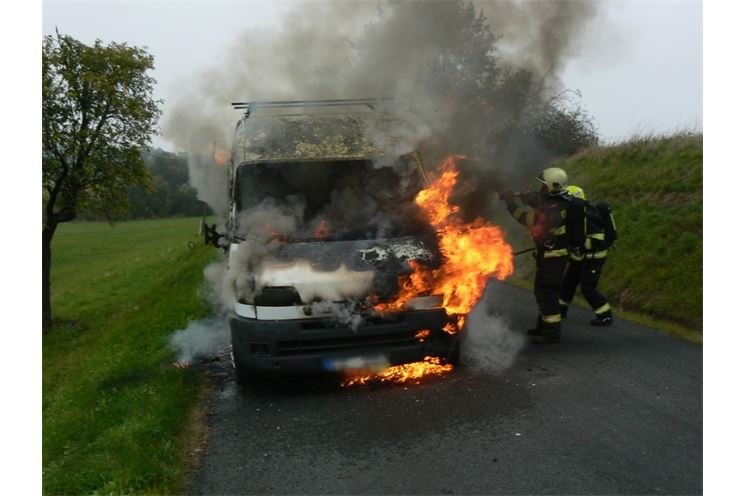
x=555 y=180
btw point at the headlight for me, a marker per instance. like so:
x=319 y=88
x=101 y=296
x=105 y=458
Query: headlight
x=424 y=302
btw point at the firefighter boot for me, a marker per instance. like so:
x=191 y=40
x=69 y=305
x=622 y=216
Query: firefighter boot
x=536 y=331
x=563 y=309
x=550 y=333
x=602 y=319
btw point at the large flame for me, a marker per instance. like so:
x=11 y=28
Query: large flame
x=473 y=253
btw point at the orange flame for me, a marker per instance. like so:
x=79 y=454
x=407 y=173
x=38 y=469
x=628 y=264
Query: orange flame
x=452 y=328
x=473 y=253
x=220 y=156
x=402 y=373
x=322 y=230
x=272 y=234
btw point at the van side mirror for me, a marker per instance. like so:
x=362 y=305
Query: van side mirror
x=211 y=236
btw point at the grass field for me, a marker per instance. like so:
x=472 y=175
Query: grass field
x=115 y=412
x=655 y=187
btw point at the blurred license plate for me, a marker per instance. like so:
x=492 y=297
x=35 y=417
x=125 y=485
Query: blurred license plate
x=373 y=363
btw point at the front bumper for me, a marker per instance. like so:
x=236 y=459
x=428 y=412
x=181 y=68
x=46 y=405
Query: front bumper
x=311 y=346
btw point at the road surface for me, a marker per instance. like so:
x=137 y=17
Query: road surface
x=608 y=411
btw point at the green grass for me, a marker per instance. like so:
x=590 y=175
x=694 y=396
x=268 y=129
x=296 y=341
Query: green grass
x=655 y=187
x=115 y=412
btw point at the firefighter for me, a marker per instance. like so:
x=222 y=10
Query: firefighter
x=586 y=272
x=556 y=221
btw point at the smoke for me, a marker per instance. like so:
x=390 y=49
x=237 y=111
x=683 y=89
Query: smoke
x=318 y=201
x=347 y=314
x=212 y=290
x=200 y=339
x=490 y=344
x=207 y=337
x=262 y=229
x=466 y=76
x=539 y=35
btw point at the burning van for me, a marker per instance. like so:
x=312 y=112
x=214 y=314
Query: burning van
x=323 y=236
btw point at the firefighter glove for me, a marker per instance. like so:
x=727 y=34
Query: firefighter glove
x=530 y=198
x=508 y=196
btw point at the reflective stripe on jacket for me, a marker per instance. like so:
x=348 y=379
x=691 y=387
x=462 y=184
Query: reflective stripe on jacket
x=595 y=244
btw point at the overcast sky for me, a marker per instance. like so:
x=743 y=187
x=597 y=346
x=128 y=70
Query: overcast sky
x=640 y=69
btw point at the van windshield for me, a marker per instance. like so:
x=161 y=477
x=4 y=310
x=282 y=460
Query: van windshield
x=349 y=199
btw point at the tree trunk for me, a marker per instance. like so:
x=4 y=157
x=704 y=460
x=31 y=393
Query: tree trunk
x=46 y=266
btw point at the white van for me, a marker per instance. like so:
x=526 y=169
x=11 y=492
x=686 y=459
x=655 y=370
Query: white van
x=304 y=300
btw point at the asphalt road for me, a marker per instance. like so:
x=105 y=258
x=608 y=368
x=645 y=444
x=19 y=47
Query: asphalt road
x=608 y=411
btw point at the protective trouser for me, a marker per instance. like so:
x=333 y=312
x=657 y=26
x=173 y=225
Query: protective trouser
x=586 y=274
x=546 y=287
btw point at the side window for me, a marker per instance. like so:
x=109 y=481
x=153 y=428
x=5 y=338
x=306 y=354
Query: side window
x=236 y=150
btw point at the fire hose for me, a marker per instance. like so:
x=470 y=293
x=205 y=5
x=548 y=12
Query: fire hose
x=515 y=253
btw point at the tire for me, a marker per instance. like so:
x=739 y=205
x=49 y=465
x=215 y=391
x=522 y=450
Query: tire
x=452 y=356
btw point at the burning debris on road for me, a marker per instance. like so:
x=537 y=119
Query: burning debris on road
x=408 y=372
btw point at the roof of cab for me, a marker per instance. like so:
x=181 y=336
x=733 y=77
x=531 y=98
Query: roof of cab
x=319 y=130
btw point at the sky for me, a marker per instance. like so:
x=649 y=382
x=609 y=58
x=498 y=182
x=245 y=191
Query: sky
x=640 y=69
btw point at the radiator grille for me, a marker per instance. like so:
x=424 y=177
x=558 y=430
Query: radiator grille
x=302 y=346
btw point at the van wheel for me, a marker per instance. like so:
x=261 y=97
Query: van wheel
x=453 y=351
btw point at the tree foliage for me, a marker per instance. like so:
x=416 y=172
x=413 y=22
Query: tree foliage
x=506 y=115
x=171 y=195
x=507 y=119
x=98 y=112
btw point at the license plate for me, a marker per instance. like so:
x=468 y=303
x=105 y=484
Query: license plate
x=372 y=363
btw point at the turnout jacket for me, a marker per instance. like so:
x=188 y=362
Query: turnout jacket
x=557 y=224
x=601 y=230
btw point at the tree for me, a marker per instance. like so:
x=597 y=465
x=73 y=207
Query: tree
x=505 y=117
x=172 y=195
x=502 y=114
x=98 y=112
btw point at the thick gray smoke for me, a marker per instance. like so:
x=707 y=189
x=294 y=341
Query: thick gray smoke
x=201 y=339
x=209 y=336
x=313 y=201
x=538 y=35
x=491 y=345
x=263 y=227
x=466 y=81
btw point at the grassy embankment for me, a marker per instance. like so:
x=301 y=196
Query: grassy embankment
x=655 y=187
x=116 y=414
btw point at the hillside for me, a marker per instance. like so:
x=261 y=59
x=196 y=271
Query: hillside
x=655 y=187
